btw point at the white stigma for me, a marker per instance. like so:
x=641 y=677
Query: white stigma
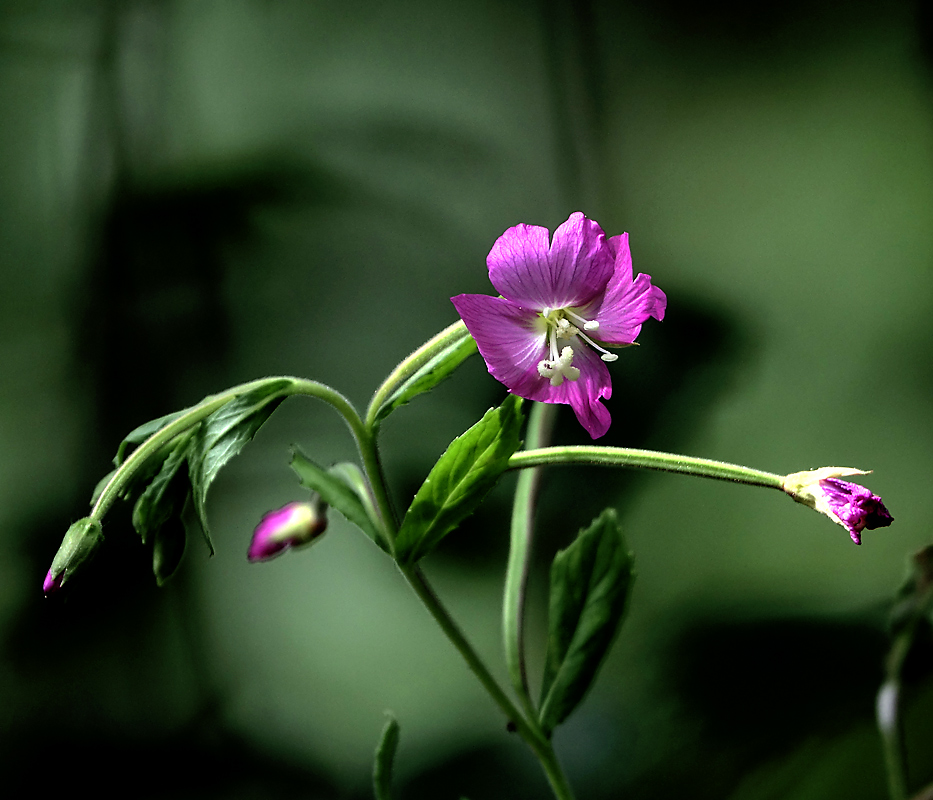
x=559 y=368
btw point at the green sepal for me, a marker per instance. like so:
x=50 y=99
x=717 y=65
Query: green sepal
x=80 y=543
x=590 y=582
x=459 y=481
x=385 y=758
x=429 y=375
x=224 y=434
x=342 y=487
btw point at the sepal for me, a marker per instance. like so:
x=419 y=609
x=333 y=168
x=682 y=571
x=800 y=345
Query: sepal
x=80 y=543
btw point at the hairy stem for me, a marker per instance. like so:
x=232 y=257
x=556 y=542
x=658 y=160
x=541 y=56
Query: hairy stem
x=412 y=364
x=645 y=459
x=516 y=576
x=194 y=415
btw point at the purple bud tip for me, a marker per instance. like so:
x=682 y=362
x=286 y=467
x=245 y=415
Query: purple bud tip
x=291 y=526
x=855 y=507
x=52 y=583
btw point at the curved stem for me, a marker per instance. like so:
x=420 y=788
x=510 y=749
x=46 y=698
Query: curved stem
x=412 y=364
x=528 y=730
x=516 y=576
x=645 y=459
x=194 y=415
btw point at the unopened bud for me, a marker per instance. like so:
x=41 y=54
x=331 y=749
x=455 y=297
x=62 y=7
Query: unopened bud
x=80 y=543
x=294 y=525
x=852 y=506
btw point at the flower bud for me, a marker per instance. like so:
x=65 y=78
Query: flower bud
x=293 y=525
x=852 y=506
x=80 y=543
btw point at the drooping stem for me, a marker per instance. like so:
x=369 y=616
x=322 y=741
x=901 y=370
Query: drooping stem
x=124 y=474
x=645 y=459
x=516 y=576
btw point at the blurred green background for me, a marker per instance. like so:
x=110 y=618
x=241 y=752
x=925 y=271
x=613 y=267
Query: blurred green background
x=198 y=193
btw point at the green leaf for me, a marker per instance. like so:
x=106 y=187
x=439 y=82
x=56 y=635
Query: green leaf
x=385 y=758
x=224 y=434
x=460 y=480
x=139 y=435
x=165 y=495
x=168 y=548
x=590 y=582
x=342 y=487
x=429 y=375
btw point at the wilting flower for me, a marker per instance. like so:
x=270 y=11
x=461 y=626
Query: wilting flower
x=564 y=301
x=848 y=504
x=291 y=526
x=80 y=543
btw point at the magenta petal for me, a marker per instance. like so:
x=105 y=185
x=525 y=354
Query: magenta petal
x=570 y=271
x=510 y=339
x=627 y=303
x=52 y=583
x=855 y=507
x=583 y=395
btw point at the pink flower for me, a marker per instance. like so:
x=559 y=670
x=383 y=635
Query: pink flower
x=852 y=506
x=564 y=301
x=291 y=526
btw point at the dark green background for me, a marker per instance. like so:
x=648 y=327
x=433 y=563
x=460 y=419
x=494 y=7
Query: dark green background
x=193 y=194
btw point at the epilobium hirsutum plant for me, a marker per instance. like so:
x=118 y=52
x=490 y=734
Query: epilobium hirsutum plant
x=565 y=300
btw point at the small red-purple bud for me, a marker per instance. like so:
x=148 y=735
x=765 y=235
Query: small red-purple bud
x=293 y=525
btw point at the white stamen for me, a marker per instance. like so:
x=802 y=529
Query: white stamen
x=588 y=324
x=606 y=355
x=559 y=368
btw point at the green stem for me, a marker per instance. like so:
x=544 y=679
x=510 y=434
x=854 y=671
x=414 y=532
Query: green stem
x=888 y=715
x=411 y=365
x=527 y=730
x=645 y=459
x=516 y=575
x=889 y=726
x=191 y=417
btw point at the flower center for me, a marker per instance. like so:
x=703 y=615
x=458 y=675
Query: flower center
x=565 y=324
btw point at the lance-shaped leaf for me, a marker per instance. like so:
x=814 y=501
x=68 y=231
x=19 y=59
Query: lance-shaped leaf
x=460 y=480
x=165 y=495
x=139 y=435
x=429 y=375
x=590 y=582
x=224 y=434
x=168 y=549
x=385 y=759
x=342 y=487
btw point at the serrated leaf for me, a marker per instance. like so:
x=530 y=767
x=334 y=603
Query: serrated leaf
x=429 y=375
x=165 y=495
x=385 y=759
x=341 y=487
x=139 y=435
x=224 y=434
x=459 y=481
x=590 y=582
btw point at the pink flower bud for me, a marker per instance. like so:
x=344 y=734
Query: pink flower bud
x=293 y=525
x=80 y=543
x=852 y=506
